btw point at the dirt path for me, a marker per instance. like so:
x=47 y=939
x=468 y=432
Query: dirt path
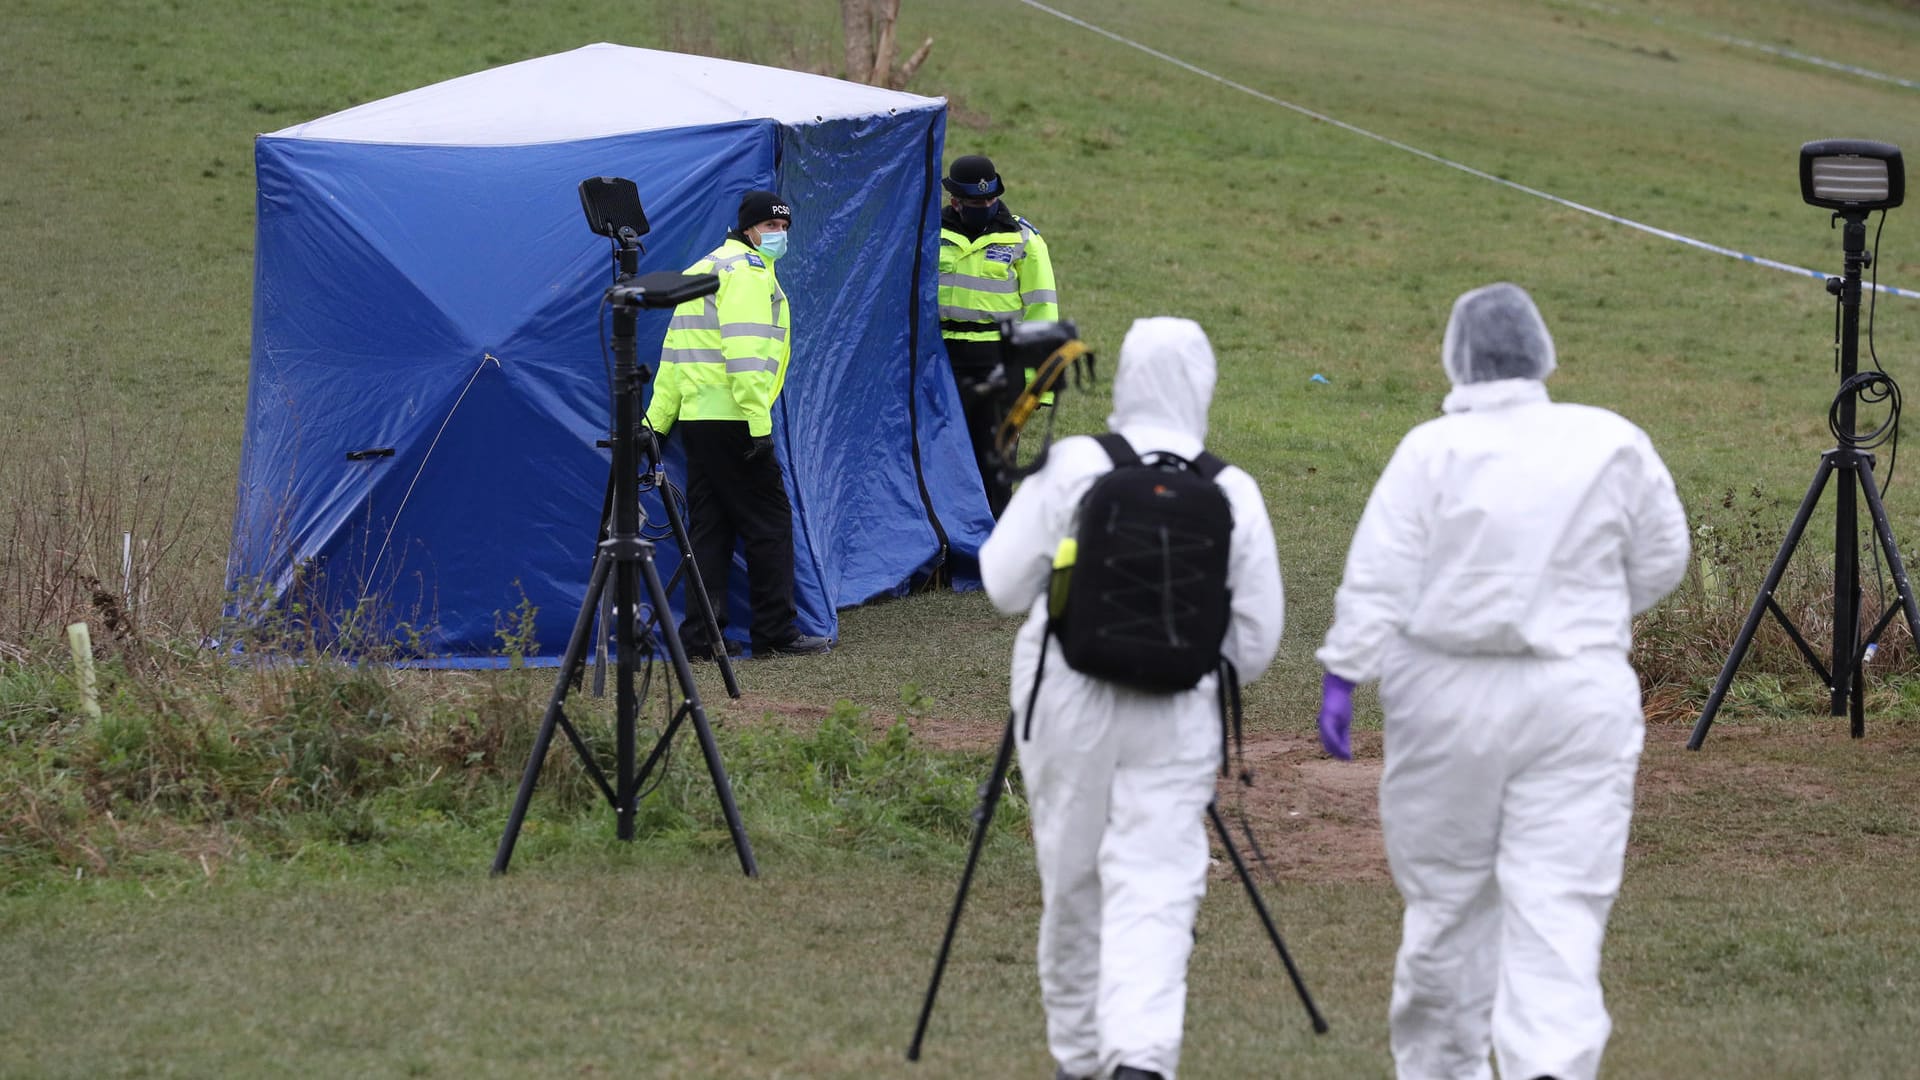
x=1316 y=819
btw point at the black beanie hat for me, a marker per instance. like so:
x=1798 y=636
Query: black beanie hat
x=758 y=206
x=973 y=177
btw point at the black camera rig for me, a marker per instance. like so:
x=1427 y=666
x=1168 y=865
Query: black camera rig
x=1035 y=358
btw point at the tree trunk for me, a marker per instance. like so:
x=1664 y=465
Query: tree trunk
x=885 y=13
x=856 y=19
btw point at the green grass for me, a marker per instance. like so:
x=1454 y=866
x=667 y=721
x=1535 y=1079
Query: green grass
x=1772 y=955
x=1766 y=926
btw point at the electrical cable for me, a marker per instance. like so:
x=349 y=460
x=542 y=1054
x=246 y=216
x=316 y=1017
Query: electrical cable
x=666 y=752
x=600 y=320
x=1867 y=649
x=657 y=533
x=1871 y=388
x=1873 y=297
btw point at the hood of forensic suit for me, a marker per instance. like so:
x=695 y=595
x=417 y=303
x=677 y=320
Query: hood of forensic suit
x=1165 y=378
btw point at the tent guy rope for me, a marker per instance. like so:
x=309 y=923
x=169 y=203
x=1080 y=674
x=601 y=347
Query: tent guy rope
x=485 y=358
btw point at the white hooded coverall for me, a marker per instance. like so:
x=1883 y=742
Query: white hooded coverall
x=1118 y=781
x=1490 y=588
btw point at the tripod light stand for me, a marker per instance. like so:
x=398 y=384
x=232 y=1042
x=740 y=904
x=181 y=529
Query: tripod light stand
x=983 y=817
x=625 y=557
x=1852 y=178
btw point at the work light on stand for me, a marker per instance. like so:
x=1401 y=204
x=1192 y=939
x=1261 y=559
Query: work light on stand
x=1852 y=178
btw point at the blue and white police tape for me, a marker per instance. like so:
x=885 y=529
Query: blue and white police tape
x=1772 y=50
x=1757 y=260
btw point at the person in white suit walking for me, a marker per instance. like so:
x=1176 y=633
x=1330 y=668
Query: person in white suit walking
x=1490 y=589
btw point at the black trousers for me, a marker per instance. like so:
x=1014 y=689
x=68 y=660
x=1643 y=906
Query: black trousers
x=973 y=365
x=732 y=499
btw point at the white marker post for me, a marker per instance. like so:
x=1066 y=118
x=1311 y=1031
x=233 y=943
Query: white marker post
x=81 y=642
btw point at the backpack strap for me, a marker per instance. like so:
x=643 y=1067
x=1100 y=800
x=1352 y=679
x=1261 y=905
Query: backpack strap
x=1039 y=672
x=1118 y=449
x=1205 y=464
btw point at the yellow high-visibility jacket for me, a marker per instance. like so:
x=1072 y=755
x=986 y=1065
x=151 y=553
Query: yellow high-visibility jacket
x=1005 y=270
x=725 y=355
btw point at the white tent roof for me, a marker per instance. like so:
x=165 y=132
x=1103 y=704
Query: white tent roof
x=600 y=90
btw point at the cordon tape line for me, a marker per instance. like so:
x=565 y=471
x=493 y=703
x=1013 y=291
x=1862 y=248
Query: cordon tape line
x=1776 y=50
x=1716 y=249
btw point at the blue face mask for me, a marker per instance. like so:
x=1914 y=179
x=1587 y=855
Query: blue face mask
x=976 y=216
x=773 y=244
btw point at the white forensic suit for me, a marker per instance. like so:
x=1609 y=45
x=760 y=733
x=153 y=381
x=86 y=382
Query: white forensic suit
x=1490 y=589
x=1118 y=780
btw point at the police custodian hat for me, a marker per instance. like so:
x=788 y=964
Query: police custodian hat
x=758 y=206
x=973 y=177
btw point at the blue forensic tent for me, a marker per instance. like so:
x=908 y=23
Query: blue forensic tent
x=428 y=376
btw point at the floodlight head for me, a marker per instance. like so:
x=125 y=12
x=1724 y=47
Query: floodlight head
x=613 y=209
x=1852 y=175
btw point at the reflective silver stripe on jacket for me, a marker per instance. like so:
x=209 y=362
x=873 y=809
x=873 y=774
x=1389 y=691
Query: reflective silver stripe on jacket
x=708 y=319
x=1040 y=296
x=981 y=284
x=753 y=329
x=728 y=262
x=741 y=364
x=967 y=314
x=674 y=354
x=1019 y=249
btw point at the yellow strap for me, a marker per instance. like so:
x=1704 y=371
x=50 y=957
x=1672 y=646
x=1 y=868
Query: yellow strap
x=1051 y=371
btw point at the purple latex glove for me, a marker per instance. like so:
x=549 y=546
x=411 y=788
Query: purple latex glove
x=1336 y=715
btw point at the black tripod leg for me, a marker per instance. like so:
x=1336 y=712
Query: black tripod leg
x=626 y=706
x=606 y=599
x=569 y=664
x=1891 y=548
x=1774 y=573
x=600 y=644
x=982 y=816
x=696 y=585
x=684 y=671
x=1266 y=920
x=1857 y=697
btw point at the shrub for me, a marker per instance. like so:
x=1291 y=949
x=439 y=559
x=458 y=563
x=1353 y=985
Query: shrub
x=1681 y=645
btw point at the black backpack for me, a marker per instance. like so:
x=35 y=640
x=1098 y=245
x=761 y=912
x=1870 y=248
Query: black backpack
x=1142 y=599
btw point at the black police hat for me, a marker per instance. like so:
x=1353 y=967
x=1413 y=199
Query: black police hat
x=758 y=206
x=973 y=177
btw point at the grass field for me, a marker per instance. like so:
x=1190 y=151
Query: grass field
x=1767 y=926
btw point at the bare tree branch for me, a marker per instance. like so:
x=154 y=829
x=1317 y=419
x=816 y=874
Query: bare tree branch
x=901 y=77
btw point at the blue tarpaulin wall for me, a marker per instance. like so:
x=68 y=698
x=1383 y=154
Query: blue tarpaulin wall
x=429 y=377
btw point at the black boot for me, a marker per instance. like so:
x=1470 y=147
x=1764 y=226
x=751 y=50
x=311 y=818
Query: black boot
x=1128 y=1072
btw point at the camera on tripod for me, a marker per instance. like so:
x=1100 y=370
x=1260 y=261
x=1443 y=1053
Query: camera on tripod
x=625 y=580
x=1024 y=350
x=1035 y=358
x=612 y=205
